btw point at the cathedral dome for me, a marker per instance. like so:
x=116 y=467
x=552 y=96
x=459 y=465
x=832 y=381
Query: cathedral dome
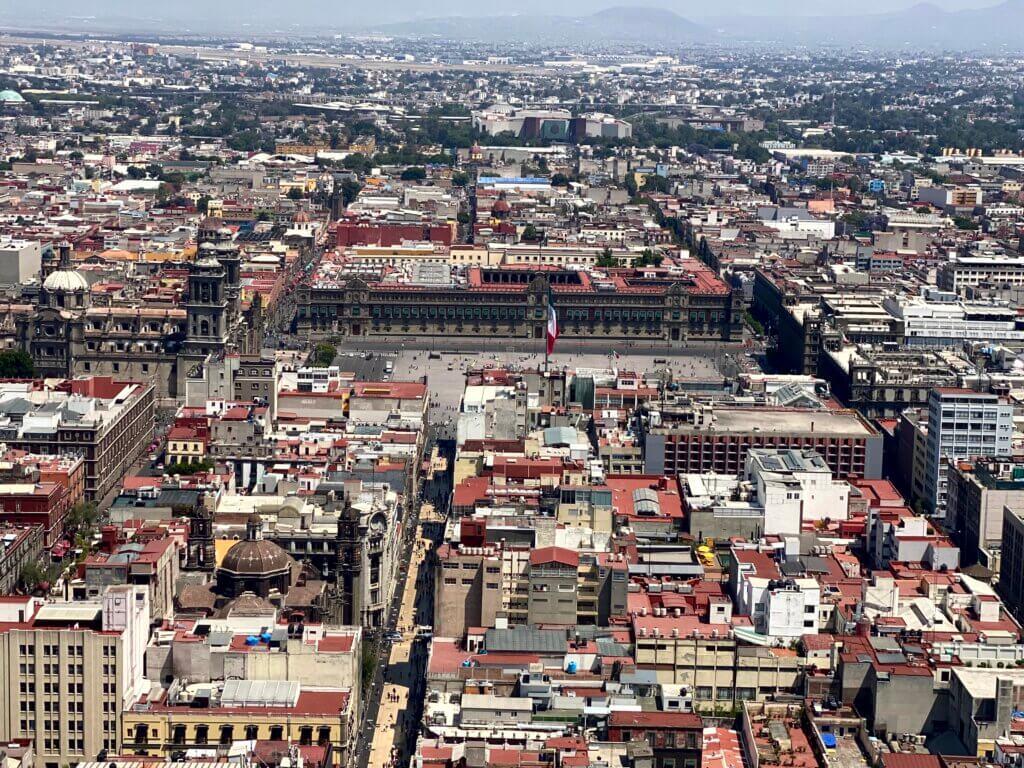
x=256 y=558
x=65 y=281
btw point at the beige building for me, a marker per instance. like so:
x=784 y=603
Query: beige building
x=70 y=670
x=719 y=671
x=474 y=586
x=315 y=655
x=559 y=256
x=468 y=589
x=585 y=507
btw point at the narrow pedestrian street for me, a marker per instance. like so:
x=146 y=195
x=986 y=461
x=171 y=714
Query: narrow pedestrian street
x=396 y=725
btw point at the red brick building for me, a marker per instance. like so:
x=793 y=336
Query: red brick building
x=40 y=489
x=348 y=233
x=42 y=504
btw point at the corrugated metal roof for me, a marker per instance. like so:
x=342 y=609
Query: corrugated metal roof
x=259 y=693
x=525 y=640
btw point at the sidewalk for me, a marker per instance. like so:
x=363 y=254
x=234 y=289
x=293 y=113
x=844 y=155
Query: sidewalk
x=391 y=726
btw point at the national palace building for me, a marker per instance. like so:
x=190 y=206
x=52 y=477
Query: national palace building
x=677 y=302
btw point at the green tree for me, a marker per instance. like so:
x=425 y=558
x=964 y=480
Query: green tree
x=649 y=258
x=855 y=220
x=294 y=193
x=350 y=191
x=82 y=518
x=357 y=162
x=656 y=183
x=460 y=179
x=964 y=222
x=188 y=467
x=606 y=260
x=414 y=173
x=34 y=574
x=324 y=354
x=244 y=141
x=203 y=204
x=530 y=234
x=753 y=323
x=16 y=364
x=560 y=180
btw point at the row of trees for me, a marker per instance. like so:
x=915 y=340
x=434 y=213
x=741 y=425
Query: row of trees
x=79 y=527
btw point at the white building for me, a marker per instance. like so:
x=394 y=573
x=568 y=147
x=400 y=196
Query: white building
x=962 y=424
x=780 y=492
x=910 y=540
x=943 y=319
x=796 y=223
x=989 y=268
x=951 y=196
x=795 y=487
x=490 y=411
x=20 y=261
x=780 y=608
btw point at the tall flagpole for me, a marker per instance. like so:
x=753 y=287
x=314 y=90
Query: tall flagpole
x=547 y=321
x=547 y=312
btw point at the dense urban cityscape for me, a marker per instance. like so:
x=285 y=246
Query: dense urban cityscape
x=513 y=392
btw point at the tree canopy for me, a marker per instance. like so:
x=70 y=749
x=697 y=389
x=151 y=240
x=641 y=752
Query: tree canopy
x=16 y=364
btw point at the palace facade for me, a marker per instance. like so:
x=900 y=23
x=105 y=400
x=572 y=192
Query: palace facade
x=511 y=302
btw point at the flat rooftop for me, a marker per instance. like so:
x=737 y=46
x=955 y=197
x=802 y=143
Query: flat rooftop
x=781 y=421
x=981 y=683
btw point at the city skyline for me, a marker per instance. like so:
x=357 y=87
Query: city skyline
x=437 y=386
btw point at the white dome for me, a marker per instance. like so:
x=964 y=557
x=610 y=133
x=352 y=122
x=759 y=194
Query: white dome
x=65 y=280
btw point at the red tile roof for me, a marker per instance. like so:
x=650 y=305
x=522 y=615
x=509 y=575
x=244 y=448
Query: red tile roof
x=559 y=555
x=656 y=719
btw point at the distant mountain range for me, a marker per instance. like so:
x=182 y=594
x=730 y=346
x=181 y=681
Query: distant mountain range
x=653 y=25
x=994 y=28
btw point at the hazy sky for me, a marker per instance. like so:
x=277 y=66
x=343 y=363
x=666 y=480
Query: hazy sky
x=339 y=12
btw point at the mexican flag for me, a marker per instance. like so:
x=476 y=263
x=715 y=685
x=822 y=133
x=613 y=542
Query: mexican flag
x=552 y=326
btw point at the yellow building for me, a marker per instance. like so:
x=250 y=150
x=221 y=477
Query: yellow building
x=185 y=445
x=213 y=715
